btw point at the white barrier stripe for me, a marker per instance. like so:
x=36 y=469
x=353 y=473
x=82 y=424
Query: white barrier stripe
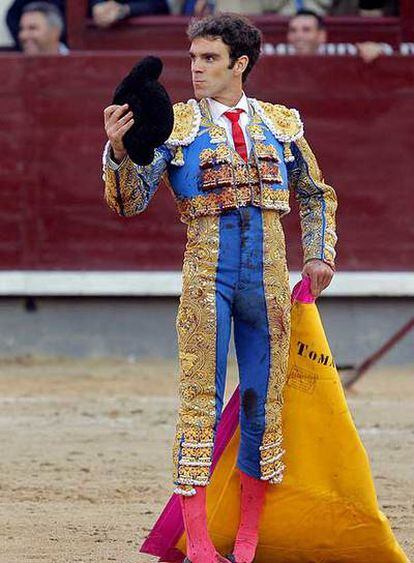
x=158 y=284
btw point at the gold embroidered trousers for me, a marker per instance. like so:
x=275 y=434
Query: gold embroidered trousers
x=234 y=272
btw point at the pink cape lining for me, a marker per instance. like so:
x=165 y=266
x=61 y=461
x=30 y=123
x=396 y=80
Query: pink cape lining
x=169 y=527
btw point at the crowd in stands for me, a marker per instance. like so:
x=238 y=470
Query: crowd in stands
x=38 y=26
x=108 y=12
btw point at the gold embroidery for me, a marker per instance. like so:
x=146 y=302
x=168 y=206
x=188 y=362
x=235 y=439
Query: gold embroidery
x=285 y=122
x=222 y=154
x=317 y=207
x=217 y=134
x=266 y=152
x=269 y=172
x=241 y=175
x=206 y=158
x=209 y=179
x=178 y=159
x=224 y=175
x=187 y=119
x=122 y=192
x=230 y=198
x=196 y=327
x=111 y=195
x=277 y=295
x=287 y=153
x=218 y=177
x=211 y=157
x=222 y=167
x=256 y=132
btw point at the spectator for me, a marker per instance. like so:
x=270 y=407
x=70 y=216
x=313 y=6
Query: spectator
x=198 y=7
x=40 y=29
x=291 y=7
x=307 y=35
x=14 y=15
x=364 y=7
x=280 y=7
x=373 y=8
x=108 y=12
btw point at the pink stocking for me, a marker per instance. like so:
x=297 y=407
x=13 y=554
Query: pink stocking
x=253 y=492
x=200 y=548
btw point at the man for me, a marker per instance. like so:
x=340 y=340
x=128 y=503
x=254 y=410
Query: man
x=230 y=161
x=307 y=35
x=14 y=14
x=40 y=29
x=280 y=7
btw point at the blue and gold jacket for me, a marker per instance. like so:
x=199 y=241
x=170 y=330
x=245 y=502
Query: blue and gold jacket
x=207 y=176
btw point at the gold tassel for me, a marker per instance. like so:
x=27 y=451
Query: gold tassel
x=287 y=153
x=178 y=159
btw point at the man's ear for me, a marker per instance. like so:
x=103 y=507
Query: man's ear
x=241 y=64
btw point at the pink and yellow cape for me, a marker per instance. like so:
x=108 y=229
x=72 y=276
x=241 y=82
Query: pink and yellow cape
x=326 y=509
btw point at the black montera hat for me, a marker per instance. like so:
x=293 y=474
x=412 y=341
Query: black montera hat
x=152 y=109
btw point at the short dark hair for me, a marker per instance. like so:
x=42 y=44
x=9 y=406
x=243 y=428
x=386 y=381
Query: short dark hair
x=237 y=32
x=319 y=19
x=50 y=11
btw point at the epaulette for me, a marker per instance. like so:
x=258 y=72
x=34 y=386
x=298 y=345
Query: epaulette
x=187 y=119
x=284 y=123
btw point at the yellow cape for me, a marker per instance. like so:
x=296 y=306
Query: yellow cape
x=326 y=509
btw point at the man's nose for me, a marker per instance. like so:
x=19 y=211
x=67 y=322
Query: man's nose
x=197 y=67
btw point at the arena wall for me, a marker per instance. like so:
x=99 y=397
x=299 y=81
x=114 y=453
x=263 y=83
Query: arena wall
x=358 y=117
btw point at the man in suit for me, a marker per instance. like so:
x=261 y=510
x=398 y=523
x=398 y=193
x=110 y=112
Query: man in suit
x=231 y=162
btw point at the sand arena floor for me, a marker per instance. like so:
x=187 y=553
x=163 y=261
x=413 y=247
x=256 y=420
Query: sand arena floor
x=85 y=454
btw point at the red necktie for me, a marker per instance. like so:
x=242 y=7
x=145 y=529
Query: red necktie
x=236 y=130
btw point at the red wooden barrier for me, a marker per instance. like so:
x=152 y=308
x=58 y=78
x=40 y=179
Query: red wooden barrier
x=358 y=117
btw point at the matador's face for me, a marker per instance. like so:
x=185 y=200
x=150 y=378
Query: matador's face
x=210 y=68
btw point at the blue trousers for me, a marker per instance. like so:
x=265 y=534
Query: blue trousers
x=234 y=272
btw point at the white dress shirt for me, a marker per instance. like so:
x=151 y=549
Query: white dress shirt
x=217 y=110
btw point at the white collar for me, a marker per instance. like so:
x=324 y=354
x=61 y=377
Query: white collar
x=217 y=108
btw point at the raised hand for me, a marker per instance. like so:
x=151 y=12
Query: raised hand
x=118 y=120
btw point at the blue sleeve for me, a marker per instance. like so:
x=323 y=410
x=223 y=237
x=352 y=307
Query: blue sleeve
x=317 y=205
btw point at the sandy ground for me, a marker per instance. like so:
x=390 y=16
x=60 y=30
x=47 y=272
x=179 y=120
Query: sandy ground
x=85 y=455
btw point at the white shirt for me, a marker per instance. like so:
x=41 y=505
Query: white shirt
x=63 y=49
x=217 y=110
